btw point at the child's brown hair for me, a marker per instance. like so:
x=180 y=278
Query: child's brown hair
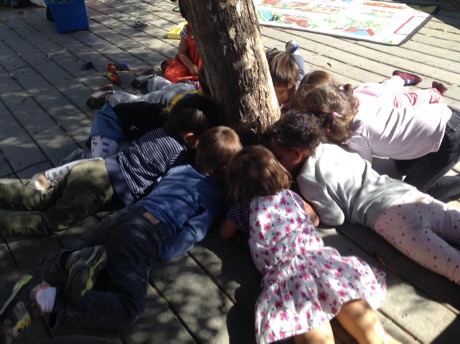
x=217 y=146
x=335 y=107
x=253 y=172
x=309 y=82
x=195 y=114
x=284 y=69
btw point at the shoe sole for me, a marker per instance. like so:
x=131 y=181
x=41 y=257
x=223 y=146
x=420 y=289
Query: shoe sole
x=85 y=280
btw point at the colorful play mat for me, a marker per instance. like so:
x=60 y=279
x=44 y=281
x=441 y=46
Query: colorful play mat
x=381 y=22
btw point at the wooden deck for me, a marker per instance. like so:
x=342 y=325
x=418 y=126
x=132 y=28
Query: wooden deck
x=206 y=296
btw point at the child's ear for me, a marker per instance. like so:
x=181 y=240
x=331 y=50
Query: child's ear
x=191 y=140
x=298 y=154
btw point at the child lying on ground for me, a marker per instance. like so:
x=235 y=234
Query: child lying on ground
x=305 y=284
x=123 y=178
x=340 y=186
x=101 y=281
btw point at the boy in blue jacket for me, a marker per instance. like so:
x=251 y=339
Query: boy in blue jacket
x=166 y=223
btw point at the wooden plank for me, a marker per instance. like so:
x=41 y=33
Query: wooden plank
x=16 y=144
x=199 y=303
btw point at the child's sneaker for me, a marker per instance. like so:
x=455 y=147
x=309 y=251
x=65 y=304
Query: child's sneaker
x=440 y=87
x=291 y=46
x=142 y=79
x=165 y=64
x=97 y=99
x=409 y=79
x=82 y=268
x=18 y=321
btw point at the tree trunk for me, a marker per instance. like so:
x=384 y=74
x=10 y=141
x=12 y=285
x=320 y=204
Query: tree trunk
x=229 y=43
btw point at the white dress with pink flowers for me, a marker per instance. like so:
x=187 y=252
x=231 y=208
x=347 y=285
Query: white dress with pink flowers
x=304 y=283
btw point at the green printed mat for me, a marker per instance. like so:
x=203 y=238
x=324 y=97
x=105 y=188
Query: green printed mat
x=389 y=23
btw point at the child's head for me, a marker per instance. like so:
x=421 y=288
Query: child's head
x=254 y=172
x=293 y=138
x=216 y=148
x=191 y=116
x=335 y=107
x=309 y=82
x=284 y=71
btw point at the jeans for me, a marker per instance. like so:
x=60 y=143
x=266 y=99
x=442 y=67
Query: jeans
x=84 y=191
x=427 y=173
x=132 y=244
x=161 y=91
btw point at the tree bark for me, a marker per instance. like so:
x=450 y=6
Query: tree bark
x=230 y=45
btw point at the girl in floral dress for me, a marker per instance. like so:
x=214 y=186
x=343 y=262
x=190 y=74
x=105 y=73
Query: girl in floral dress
x=305 y=284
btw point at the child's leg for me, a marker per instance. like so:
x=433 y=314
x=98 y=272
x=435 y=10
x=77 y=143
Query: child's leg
x=57 y=174
x=122 y=97
x=20 y=197
x=415 y=224
x=362 y=322
x=53 y=267
x=166 y=95
x=322 y=335
x=426 y=171
x=301 y=63
x=131 y=246
x=157 y=83
x=426 y=96
x=396 y=83
x=103 y=147
x=85 y=190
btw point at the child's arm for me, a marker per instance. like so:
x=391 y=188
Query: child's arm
x=312 y=213
x=228 y=229
x=182 y=53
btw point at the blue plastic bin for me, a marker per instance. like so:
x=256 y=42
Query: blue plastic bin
x=69 y=15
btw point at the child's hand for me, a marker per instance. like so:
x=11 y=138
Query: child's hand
x=194 y=70
x=228 y=229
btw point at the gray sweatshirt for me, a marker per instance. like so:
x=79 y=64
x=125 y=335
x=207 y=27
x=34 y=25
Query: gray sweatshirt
x=342 y=186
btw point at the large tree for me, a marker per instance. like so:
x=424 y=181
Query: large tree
x=230 y=45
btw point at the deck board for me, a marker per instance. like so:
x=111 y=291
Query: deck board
x=208 y=295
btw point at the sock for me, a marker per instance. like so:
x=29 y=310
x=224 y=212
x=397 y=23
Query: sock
x=45 y=298
x=103 y=147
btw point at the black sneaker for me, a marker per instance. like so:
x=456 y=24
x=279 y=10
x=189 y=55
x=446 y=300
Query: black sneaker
x=165 y=64
x=82 y=269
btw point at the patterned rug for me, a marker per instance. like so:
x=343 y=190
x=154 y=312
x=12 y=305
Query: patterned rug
x=381 y=22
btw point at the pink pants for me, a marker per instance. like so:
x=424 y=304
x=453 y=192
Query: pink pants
x=403 y=97
x=418 y=226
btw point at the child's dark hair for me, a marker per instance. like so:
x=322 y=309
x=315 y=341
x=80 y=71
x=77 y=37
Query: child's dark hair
x=217 y=146
x=296 y=129
x=335 y=107
x=309 y=82
x=284 y=69
x=194 y=113
x=254 y=172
